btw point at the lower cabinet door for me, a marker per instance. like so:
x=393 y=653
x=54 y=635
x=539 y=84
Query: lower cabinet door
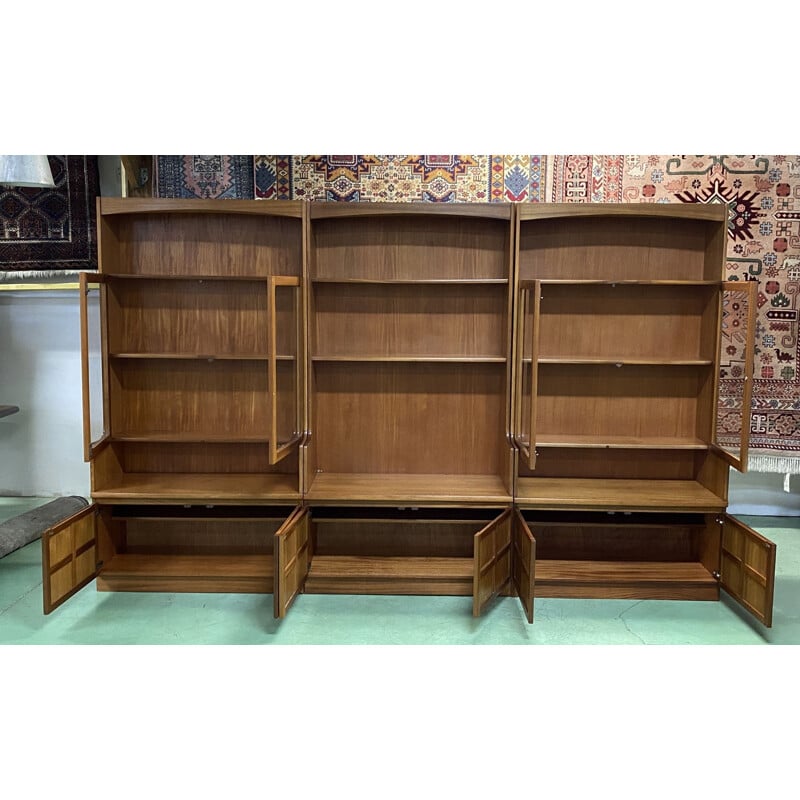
x=747 y=568
x=523 y=563
x=69 y=557
x=491 y=562
x=292 y=559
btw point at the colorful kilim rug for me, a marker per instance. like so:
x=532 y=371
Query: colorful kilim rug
x=762 y=194
x=205 y=176
x=43 y=230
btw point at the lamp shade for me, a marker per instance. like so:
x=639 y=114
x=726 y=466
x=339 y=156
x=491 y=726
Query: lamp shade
x=26 y=171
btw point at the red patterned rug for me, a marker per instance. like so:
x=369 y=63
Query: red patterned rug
x=43 y=230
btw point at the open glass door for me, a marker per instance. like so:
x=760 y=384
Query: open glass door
x=747 y=568
x=523 y=563
x=735 y=363
x=69 y=557
x=94 y=362
x=491 y=562
x=526 y=349
x=292 y=560
x=285 y=350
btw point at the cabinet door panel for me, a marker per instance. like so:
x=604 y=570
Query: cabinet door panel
x=285 y=339
x=526 y=370
x=523 y=563
x=747 y=568
x=491 y=561
x=293 y=553
x=69 y=557
x=94 y=362
x=735 y=359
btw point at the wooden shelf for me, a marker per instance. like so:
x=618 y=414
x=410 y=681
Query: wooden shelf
x=622 y=442
x=624 y=282
x=625 y=361
x=228 y=488
x=201 y=438
x=415 y=358
x=192 y=573
x=616 y=493
x=389 y=575
x=150 y=276
x=663 y=580
x=393 y=489
x=417 y=282
x=200 y=357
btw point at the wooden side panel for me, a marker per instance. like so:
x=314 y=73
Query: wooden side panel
x=747 y=568
x=69 y=557
x=491 y=562
x=292 y=560
x=523 y=563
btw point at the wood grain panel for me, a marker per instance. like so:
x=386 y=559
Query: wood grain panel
x=381 y=319
x=189 y=397
x=410 y=247
x=393 y=488
x=170 y=488
x=613 y=248
x=618 y=494
x=224 y=536
x=605 y=400
x=576 y=462
x=492 y=557
x=618 y=322
x=410 y=418
x=166 y=457
x=382 y=575
x=199 y=317
x=748 y=568
x=397 y=538
x=69 y=557
x=182 y=573
x=208 y=244
x=616 y=541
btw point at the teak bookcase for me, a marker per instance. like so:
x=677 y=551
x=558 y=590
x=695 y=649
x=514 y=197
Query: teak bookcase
x=195 y=451
x=623 y=454
x=414 y=399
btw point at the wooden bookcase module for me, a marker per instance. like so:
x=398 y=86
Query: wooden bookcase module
x=621 y=476
x=455 y=399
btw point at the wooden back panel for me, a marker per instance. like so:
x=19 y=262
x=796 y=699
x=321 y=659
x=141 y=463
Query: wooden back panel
x=224 y=244
x=410 y=418
x=194 y=317
x=616 y=248
x=623 y=321
x=392 y=319
x=200 y=457
x=410 y=247
x=605 y=400
x=191 y=397
x=575 y=462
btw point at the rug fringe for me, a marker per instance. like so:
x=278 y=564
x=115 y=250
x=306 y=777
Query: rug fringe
x=7 y=276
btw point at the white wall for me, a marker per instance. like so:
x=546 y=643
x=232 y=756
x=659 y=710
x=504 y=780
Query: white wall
x=41 y=447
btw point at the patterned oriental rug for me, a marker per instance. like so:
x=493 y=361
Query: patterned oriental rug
x=51 y=230
x=762 y=194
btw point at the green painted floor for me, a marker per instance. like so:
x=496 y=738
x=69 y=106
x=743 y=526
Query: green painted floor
x=92 y=617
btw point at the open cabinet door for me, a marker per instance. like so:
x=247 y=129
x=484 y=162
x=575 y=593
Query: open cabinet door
x=94 y=362
x=491 y=561
x=523 y=563
x=292 y=560
x=738 y=303
x=747 y=568
x=69 y=557
x=526 y=369
x=285 y=341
